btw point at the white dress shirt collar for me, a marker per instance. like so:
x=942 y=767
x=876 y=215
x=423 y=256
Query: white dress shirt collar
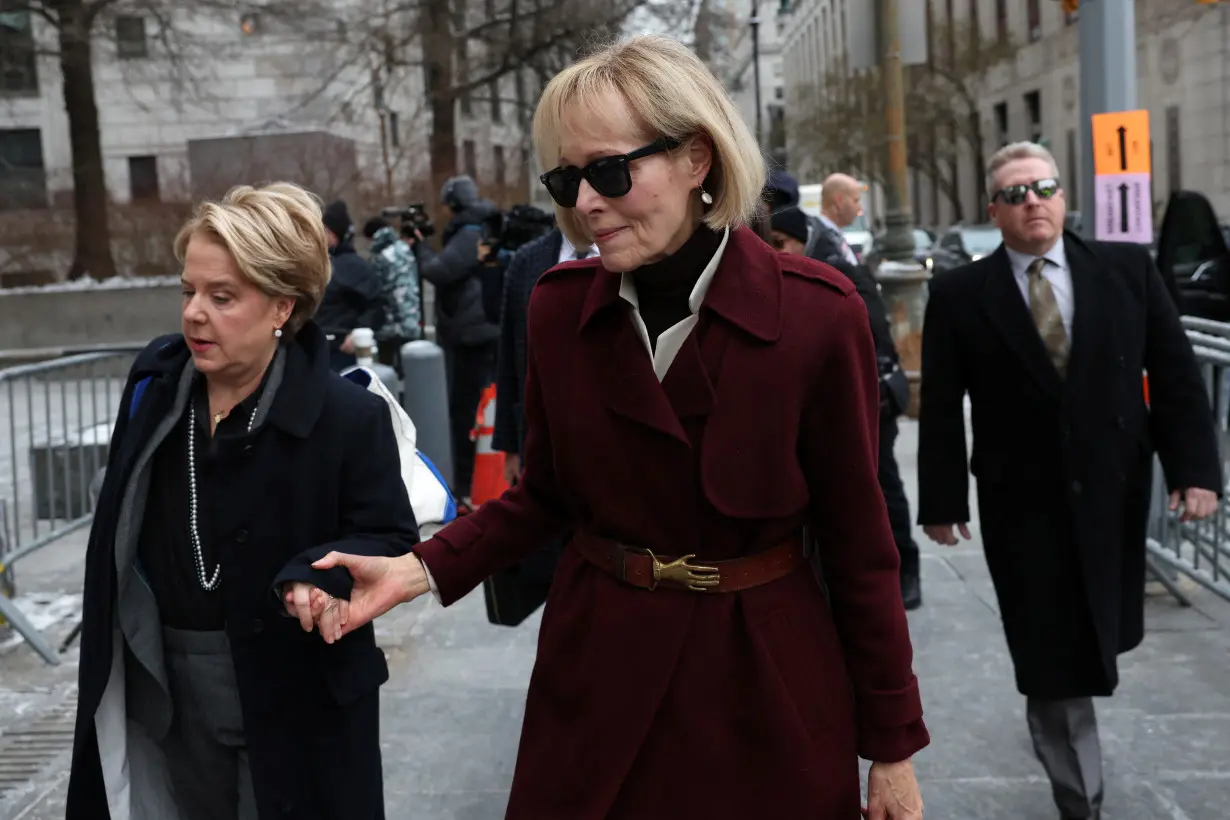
x=627 y=284
x=1022 y=261
x=670 y=342
x=567 y=252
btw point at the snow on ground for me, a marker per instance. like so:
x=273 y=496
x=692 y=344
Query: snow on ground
x=44 y=610
x=87 y=283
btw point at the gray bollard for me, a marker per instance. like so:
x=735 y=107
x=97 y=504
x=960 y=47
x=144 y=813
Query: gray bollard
x=425 y=398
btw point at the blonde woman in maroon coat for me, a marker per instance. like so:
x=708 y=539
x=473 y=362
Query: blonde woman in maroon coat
x=695 y=402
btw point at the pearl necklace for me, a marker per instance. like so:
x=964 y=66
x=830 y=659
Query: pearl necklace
x=209 y=584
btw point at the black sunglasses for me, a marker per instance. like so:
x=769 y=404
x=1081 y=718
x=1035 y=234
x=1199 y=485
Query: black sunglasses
x=609 y=176
x=1015 y=194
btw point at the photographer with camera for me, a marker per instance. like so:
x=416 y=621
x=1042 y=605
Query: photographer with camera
x=463 y=328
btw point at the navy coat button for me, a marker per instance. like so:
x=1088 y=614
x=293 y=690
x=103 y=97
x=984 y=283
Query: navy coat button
x=258 y=625
x=286 y=807
x=1076 y=487
x=241 y=536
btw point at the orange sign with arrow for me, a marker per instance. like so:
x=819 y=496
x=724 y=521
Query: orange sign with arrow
x=1121 y=143
x=1123 y=205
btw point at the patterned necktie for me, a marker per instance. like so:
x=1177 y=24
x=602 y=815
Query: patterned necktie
x=1047 y=318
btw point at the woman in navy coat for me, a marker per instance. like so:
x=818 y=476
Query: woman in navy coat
x=237 y=459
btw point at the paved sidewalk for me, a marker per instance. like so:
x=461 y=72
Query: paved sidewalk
x=452 y=710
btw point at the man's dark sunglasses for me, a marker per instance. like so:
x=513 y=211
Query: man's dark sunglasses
x=1015 y=194
x=609 y=176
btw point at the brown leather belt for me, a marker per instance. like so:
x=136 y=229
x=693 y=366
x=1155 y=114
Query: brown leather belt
x=641 y=568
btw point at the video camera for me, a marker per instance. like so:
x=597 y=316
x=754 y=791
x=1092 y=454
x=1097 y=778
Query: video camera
x=412 y=216
x=524 y=223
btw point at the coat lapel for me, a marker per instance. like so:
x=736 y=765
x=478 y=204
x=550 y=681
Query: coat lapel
x=1088 y=316
x=618 y=358
x=1010 y=316
x=745 y=295
x=687 y=385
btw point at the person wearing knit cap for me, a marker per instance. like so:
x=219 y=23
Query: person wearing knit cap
x=354 y=297
x=788 y=229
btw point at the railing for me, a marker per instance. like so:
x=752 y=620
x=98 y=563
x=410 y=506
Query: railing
x=55 y=428
x=1199 y=550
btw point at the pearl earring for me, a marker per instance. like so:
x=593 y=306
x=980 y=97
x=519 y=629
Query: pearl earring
x=704 y=195
x=277 y=333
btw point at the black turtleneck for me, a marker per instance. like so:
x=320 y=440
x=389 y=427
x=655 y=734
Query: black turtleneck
x=663 y=287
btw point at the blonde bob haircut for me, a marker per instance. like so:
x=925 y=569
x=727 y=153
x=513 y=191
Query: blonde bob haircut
x=672 y=94
x=276 y=235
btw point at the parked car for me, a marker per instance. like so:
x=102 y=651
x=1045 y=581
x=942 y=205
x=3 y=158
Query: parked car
x=924 y=241
x=962 y=244
x=1193 y=255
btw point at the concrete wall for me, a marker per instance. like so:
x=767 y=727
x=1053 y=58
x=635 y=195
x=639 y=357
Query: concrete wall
x=87 y=318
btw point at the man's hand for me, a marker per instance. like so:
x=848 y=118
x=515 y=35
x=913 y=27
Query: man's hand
x=1198 y=503
x=380 y=583
x=945 y=533
x=892 y=792
x=348 y=344
x=512 y=468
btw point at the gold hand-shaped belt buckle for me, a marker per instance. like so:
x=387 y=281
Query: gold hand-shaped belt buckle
x=690 y=576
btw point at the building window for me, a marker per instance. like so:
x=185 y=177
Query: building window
x=497 y=156
x=143 y=179
x=1001 y=20
x=1070 y=18
x=1035 y=20
x=130 y=42
x=1001 y=123
x=394 y=130
x=1033 y=110
x=470 y=159
x=23 y=179
x=497 y=112
x=779 y=93
x=1070 y=185
x=1174 y=148
x=18 y=68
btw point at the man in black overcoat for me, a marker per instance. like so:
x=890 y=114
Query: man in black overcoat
x=1049 y=336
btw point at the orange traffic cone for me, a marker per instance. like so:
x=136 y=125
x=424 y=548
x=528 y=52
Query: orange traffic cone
x=488 y=482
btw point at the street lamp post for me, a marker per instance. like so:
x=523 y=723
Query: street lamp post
x=902 y=280
x=898 y=238
x=755 y=24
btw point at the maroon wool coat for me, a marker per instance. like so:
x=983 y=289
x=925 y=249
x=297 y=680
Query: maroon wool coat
x=673 y=704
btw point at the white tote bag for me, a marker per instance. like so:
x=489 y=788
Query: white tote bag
x=429 y=494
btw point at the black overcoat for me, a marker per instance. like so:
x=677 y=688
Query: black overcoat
x=322 y=472
x=1063 y=465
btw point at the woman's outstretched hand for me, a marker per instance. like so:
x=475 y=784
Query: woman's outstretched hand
x=380 y=583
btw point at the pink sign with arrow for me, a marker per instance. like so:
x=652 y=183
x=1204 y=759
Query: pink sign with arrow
x=1123 y=201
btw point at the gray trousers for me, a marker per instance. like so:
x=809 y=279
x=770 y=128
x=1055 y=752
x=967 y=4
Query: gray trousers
x=1065 y=735
x=205 y=749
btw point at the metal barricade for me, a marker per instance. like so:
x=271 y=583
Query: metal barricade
x=1199 y=550
x=56 y=419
